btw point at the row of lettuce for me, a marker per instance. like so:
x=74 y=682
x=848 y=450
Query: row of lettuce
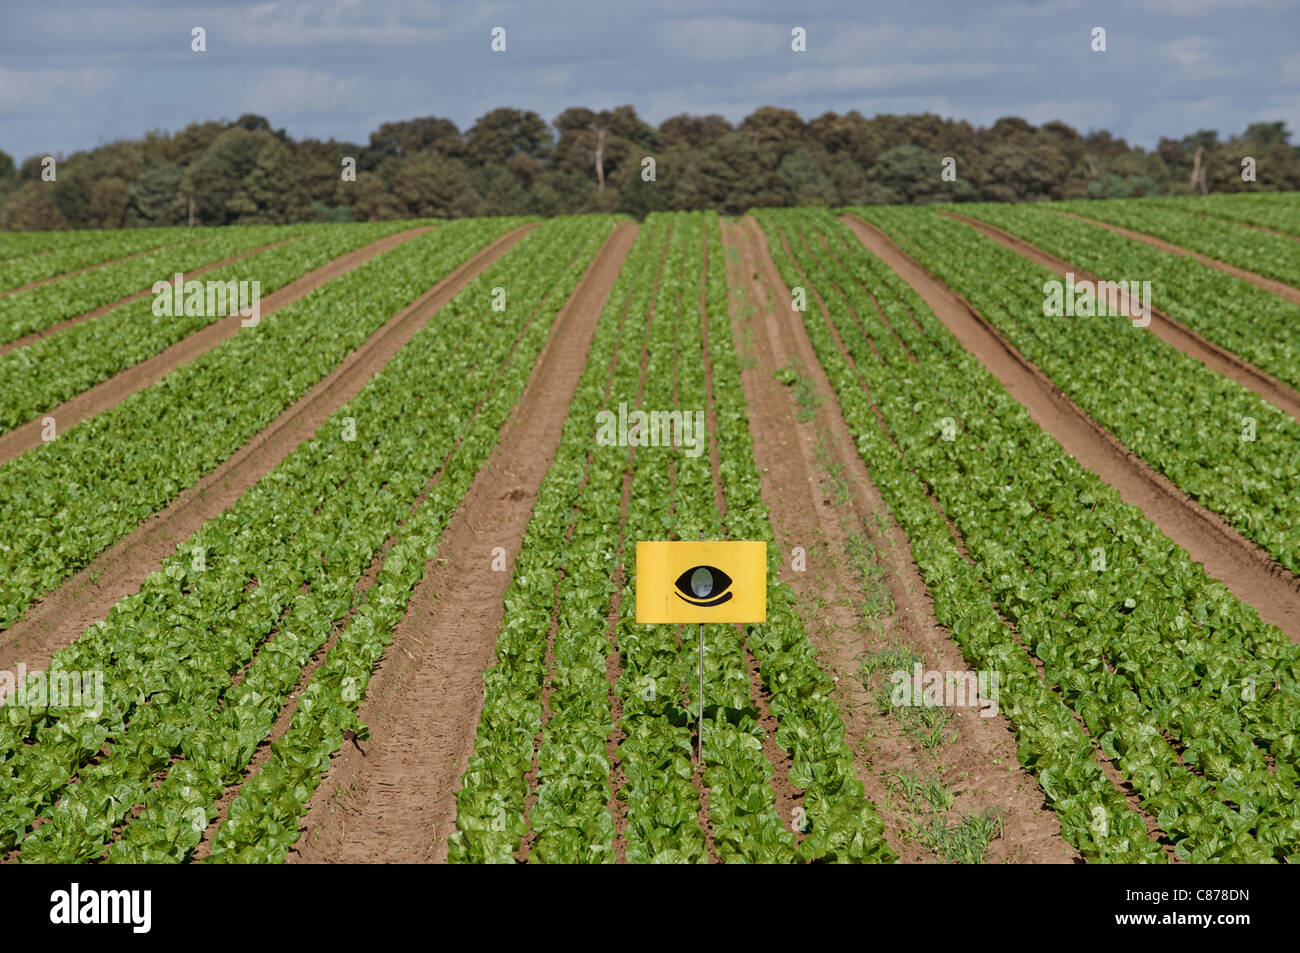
x=69 y=499
x=1235 y=243
x=1226 y=446
x=1278 y=211
x=41 y=256
x=1240 y=317
x=199 y=664
x=553 y=765
x=15 y=246
x=37 y=376
x=35 y=309
x=1178 y=684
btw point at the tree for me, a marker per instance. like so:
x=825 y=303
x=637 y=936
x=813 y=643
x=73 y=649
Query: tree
x=908 y=171
x=246 y=178
x=603 y=145
x=499 y=192
x=32 y=208
x=371 y=200
x=215 y=178
x=1175 y=157
x=561 y=193
x=412 y=136
x=1267 y=133
x=71 y=193
x=431 y=186
x=1063 y=139
x=774 y=132
x=108 y=203
x=272 y=192
x=849 y=136
x=320 y=166
x=193 y=141
x=1029 y=174
x=806 y=181
x=502 y=133
x=252 y=123
x=727 y=178
x=639 y=198
x=693 y=132
x=156 y=198
x=511 y=162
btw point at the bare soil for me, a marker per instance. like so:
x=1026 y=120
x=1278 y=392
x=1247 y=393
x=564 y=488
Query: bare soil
x=397 y=802
x=808 y=466
x=1247 y=570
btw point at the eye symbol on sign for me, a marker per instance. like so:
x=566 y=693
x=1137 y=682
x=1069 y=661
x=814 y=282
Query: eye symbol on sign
x=704 y=586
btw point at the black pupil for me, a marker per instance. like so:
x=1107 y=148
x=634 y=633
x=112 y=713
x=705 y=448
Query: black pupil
x=701 y=582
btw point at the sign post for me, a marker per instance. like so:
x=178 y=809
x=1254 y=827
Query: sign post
x=705 y=581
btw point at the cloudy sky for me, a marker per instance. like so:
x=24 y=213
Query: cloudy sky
x=74 y=75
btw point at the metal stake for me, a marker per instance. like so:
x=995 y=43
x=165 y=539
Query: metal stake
x=699 y=741
x=700 y=754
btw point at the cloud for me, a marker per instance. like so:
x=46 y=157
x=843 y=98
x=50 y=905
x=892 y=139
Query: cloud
x=286 y=90
x=1186 y=52
x=1199 y=8
x=33 y=91
x=870 y=79
x=722 y=39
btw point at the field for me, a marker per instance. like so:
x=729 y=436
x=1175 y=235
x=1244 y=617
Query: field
x=345 y=571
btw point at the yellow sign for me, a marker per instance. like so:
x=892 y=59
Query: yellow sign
x=709 y=581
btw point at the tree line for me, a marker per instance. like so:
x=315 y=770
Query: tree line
x=511 y=161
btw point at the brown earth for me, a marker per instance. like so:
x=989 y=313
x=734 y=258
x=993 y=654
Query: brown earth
x=89 y=595
x=1247 y=570
x=1172 y=332
x=820 y=493
x=148 y=372
x=1279 y=288
x=112 y=305
x=397 y=802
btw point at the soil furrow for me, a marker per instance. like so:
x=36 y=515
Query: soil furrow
x=1247 y=570
x=821 y=496
x=424 y=699
x=285 y=718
